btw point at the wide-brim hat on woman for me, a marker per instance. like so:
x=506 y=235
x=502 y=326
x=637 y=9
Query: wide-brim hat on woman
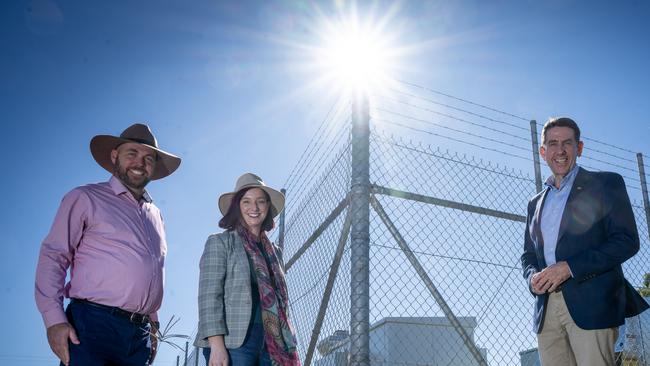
x=250 y=180
x=102 y=145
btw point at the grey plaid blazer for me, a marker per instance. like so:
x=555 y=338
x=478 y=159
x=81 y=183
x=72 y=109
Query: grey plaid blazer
x=224 y=290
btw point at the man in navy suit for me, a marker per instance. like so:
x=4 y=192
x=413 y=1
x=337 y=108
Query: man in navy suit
x=579 y=231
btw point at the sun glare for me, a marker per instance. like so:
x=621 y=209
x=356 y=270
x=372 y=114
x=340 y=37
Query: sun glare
x=356 y=57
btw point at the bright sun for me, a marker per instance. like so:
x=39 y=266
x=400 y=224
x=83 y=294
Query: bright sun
x=358 y=57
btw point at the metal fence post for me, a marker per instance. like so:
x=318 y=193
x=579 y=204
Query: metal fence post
x=185 y=362
x=360 y=234
x=538 y=170
x=644 y=190
x=281 y=222
x=178 y=360
x=196 y=356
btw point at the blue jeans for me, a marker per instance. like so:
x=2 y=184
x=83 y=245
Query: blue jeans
x=106 y=339
x=251 y=353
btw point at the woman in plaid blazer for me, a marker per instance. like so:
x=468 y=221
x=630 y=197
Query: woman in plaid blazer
x=243 y=301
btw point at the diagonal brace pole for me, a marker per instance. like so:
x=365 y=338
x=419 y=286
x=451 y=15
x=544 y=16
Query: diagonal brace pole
x=334 y=269
x=324 y=225
x=427 y=281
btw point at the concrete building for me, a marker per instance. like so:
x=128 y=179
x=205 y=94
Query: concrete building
x=407 y=341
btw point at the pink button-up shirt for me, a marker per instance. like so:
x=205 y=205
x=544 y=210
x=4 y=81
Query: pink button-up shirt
x=114 y=246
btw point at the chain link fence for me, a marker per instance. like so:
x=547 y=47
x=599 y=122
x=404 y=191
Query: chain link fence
x=445 y=236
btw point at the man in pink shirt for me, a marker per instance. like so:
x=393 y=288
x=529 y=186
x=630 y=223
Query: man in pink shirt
x=112 y=238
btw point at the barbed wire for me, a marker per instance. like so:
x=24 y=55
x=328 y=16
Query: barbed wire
x=451 y=107
x=589 y=167
x=608 y=145
x=381 y=120
x=609 y=154
x=315 y=153
x=431 y=90
x=452 y=129
x=439 y=156
x=305 y=201
x=451 y=138
x=608 y=163
x=492 y=129
x=462 y=100
x=315 y=168
x=311 y=142
x=318 y=135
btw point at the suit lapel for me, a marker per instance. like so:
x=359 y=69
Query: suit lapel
x=537 y=219
x=578 y=187
x=239 y=252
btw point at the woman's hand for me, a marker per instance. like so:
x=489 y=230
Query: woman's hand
x=218 y=357
x=218 y=352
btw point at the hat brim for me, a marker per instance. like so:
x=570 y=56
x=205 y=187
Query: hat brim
x=277 y=199
x=102 y=145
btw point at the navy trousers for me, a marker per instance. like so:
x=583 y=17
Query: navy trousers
x=251 y=353
x=106 y=339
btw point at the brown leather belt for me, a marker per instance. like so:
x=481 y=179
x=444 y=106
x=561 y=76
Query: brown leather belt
x=135 y=318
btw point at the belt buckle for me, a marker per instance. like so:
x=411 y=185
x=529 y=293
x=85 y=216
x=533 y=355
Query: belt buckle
x=136 y=318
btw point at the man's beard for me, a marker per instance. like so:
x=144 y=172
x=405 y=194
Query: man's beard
x=126 y=180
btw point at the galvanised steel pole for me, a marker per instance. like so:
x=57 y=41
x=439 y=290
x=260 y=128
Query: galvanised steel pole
x=644 y=190
x=360 y=234
x=538 y=169
x=281 y=222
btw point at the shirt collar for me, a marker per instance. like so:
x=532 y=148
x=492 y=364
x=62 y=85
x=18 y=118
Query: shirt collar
x=118 y=188
x=567 y=180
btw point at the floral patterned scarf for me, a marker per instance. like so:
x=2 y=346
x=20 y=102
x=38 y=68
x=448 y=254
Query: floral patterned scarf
x=279 y=336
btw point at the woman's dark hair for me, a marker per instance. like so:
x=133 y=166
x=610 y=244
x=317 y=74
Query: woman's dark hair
x=232 y=219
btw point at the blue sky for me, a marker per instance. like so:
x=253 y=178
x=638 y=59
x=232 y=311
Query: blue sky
x=229 y=87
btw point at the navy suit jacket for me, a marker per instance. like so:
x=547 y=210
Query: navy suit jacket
x=597 y=234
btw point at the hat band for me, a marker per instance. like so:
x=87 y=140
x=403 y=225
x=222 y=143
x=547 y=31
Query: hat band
x=251 y=185
x=141 y=141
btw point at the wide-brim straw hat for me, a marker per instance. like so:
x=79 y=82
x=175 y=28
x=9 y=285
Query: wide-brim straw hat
x=102 y=145
x=250 y=180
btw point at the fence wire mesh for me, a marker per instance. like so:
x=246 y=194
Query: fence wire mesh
x=445 y=236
